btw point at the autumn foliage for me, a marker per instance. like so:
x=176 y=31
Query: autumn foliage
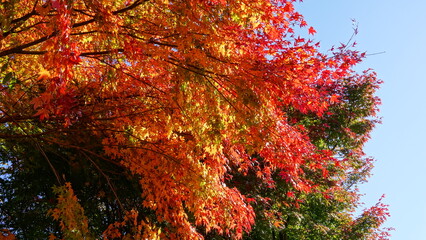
x=179 y=119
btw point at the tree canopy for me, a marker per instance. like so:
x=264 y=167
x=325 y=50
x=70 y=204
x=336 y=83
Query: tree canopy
x=173 y=119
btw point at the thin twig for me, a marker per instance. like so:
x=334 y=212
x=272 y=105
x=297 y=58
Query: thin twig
x=107 y=179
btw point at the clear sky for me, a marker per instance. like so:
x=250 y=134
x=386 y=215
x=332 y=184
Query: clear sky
x=397 y=28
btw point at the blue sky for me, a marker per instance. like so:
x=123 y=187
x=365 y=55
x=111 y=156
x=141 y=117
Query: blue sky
x=398 y=144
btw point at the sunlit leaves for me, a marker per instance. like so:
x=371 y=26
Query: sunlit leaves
x=184 y=95
x=70 y=214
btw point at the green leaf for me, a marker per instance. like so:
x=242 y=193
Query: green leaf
x=7 y=78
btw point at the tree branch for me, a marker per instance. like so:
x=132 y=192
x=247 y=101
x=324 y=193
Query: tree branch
x=20 y=48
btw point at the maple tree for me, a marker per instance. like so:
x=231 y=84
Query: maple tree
x=327 y=211
x=172 y=102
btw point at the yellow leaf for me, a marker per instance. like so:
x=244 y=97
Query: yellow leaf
x=43 y=74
